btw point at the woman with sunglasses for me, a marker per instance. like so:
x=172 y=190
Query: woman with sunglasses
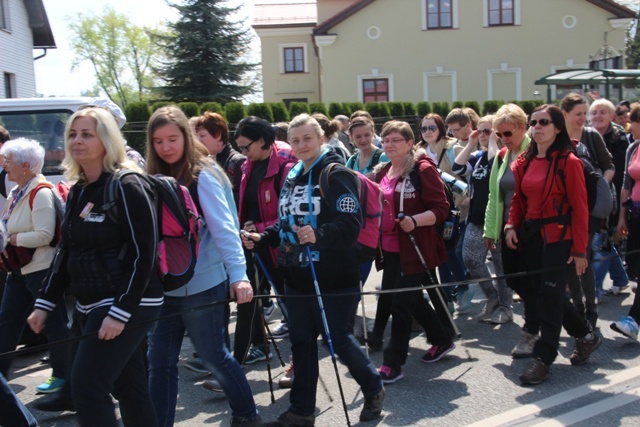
x=548 y=221
x=583 y=289
x=510 y=125
x=476 y=165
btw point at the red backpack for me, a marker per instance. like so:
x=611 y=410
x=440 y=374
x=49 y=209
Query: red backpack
x=370 y=199
x=58 y=203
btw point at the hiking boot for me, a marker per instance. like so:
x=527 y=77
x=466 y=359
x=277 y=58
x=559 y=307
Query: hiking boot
x=372 y=407
x=51 y=385
x=196 y=365
x=212 y=385
x=281 y=330
x=436 y=352
x=627 y=326
x=584 y=347
x=287 y=379
x=256 y=354
x=488 y=310
x=289 y=419
x=501 y=316
x=524 y=348
x=390 y=375
x=57 y=403
x=243 y=422
x=535 y=373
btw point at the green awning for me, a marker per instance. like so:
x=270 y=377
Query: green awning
x=591 y=77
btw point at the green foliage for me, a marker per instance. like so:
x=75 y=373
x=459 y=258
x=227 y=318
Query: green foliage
x=491 y=106
x=137 y=112
x=424 y=108
x=261 y=110
x=346 y=108
x=396 y=109
x=296 y=108
x=527 y=106
x=409 y=109
x=190 y=109
x=457 y=104
x=319 y=107
x=441 y=108
x=160 y=104
x=474 y=105
x=234 y=112
x=135 y=129
x=280 y=112
x=204 y=53
x=385 y=111
x=373 y=108
x=355 y=106
x=336 y=108
x=213 y=107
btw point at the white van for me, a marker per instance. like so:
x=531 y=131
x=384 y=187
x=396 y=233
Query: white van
x=43 y=120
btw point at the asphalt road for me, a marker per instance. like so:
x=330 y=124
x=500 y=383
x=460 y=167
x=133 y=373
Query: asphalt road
x=477 y=384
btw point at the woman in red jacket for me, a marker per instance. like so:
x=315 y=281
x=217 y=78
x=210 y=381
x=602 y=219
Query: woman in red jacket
x=548 y=219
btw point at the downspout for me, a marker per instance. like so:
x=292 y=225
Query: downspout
x=316 y=50
x=43 y=54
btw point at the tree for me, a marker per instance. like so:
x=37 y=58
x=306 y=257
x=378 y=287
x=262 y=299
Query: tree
x=204 y=54
x=120 y=52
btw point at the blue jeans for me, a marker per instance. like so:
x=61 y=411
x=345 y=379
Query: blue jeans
x=20 y=293
x=13 y=412
x=208 y=331
x=607 y=261
x=305 y=324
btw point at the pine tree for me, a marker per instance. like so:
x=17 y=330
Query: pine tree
x=204 y=54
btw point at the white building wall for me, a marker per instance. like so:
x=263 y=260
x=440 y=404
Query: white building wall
x=16 y=50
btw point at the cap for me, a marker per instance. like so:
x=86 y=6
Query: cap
x=121 y=119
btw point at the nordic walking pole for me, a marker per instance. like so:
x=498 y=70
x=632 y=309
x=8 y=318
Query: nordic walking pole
x=364 y=321
x=327 y=333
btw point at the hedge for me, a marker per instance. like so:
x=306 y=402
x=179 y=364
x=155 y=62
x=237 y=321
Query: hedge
x=280 y=112
x=260 y=110
x=296 y=108
x=234 y=112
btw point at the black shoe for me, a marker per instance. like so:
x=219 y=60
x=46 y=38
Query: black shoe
x=373 y=341
x=372 y=406
x=56 y=403
x=535 y=373
x=289 y=419
x=243 y=422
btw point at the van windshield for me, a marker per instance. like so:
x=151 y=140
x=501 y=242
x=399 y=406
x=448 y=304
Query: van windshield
x=46 y=127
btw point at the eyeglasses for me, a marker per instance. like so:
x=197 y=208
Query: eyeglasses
x=431 y=128
x=393 y=141
x=620 y=113
x=543 y=122
x=484 y=131
x=245 y=148
x=508 y=134
x=452 y=130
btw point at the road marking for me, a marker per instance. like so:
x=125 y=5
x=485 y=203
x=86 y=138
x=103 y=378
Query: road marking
x=530 y=411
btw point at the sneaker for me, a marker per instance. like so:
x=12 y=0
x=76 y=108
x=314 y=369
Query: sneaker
x=281 y=330
x=287 y=379
x=436 y=352
x=524 y=348
x=212 y=385
x=372 y=407
x=627 y=326
x=535 y=373
x=464 y=299
x=268 y=311
x=289 y=419
x=196 y=365
x=615 y=290
x=390 y=375
x=501 y=316
x=255 y=355
x=584 y=347
x=487 y=311
x=243 y=422
x=51 y=385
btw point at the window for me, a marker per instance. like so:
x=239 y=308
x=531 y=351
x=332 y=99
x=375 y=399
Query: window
x=9 y=85
x=375 y=90
x=439 y=14
x=501 y=12
x=293 y=58
x=4 y=24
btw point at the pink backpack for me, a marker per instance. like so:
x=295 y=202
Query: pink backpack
x=370 y=199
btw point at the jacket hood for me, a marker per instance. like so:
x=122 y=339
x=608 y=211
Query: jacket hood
x=418 y=155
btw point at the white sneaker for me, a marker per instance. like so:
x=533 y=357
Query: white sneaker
x=627 y=326
x=281 y=330
x=524 y=348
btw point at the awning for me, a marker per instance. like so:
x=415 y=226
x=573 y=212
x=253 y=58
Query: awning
x=591 y=77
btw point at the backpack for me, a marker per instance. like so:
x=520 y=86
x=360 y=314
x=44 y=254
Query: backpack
x=599 y=196
x=178 y=227
x=58 y=204
x=370 y=200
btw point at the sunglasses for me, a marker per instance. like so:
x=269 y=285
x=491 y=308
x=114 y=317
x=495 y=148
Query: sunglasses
x=484 y=131
x=543 y=122
x=620 y=113
x=431 y=128
x=508 y=134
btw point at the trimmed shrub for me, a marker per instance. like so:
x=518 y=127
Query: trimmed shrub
x=457 y=104
x=261 y=110
x=409 y=109
x=234 y=112
x=491 y=106
x=396 y=109
x=474 y=105
x=190 y=109
x=280 y=112
x=336 y=108
x=423 y=108
x=355 y=106
x=135 y=129
x=213 y=107
x=296 y=108
x=160 y=104
x=373 y=108
x=441 y=108
x=319 y=107
x=385 y=111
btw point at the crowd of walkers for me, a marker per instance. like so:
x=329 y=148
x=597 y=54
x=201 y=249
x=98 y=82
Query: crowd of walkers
x=278 y=227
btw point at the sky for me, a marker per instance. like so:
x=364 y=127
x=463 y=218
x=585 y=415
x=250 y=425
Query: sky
x=54 y=76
